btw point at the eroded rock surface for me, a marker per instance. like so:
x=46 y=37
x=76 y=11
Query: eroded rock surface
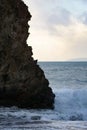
x=22 y=81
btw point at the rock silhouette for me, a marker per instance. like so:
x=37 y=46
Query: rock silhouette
x=22 y=81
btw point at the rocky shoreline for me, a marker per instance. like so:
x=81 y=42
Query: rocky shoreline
x=22 y=81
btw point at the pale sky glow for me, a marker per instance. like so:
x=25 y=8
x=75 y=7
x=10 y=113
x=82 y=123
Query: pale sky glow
x=58 y=29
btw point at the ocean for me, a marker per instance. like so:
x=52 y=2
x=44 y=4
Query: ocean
x=69 y=83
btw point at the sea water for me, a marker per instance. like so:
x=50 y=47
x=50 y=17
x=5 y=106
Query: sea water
x=69 y=83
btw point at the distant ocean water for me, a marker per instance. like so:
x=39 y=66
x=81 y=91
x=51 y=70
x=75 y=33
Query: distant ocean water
x=69 y=83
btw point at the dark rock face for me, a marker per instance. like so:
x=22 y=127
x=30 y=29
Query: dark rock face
x=22 y=81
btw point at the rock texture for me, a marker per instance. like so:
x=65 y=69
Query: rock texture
x=22 y=81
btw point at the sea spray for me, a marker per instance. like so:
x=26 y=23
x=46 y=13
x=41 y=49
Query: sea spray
x=71 y=104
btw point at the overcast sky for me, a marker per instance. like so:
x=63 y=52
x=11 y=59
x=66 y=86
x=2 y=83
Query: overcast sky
x=58 y=29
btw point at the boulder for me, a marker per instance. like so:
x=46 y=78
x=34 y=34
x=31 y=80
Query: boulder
x=22 y=81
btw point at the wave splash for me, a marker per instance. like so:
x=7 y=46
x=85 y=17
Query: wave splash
x=71 y=104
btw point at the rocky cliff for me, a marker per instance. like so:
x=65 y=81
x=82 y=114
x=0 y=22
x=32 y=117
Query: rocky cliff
x=22 y=81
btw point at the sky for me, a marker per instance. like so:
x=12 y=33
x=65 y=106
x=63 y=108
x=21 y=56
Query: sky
x=58 y=29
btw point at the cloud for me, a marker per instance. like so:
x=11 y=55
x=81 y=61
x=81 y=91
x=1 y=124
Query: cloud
x=83 y=18
x=49 y=12
x=68 y=42
x=74 y=40
x=84 y=1
x=59 y=16
x=48 y=17
x=55 y=33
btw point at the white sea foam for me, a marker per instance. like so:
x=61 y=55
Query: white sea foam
x=71 y=104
